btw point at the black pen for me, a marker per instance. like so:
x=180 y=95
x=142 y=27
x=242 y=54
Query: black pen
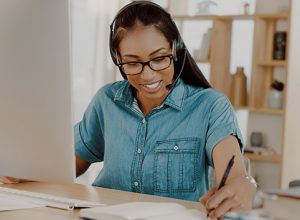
x=225 y=175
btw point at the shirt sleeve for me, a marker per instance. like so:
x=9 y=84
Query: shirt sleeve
x=88 y=134
x=222 y=123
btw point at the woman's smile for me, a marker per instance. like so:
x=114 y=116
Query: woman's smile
x=152 y=87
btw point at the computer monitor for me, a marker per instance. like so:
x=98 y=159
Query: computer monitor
x=36 y=132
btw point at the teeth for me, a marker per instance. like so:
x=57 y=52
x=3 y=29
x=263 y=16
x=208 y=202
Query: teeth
x=152 y=86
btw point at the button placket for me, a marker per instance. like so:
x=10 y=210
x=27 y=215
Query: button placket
x=137 y=173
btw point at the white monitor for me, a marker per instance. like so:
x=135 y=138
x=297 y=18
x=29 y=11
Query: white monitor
x=36 y=132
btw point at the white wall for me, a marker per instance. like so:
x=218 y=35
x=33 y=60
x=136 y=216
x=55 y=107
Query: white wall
x=291 y=163
x=92 y=65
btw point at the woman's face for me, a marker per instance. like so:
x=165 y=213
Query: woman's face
x=141 y=44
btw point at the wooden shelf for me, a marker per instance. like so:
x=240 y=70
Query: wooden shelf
x=236 y=17
x=271 y=16
x=194 y=17
x=257 y=157
x=261 y=110
x=211 y=17
x=273 y=63
x=267 y=111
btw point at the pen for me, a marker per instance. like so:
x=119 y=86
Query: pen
x=225 y=175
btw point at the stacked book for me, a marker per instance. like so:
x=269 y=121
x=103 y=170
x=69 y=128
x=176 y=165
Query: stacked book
x=283 y=203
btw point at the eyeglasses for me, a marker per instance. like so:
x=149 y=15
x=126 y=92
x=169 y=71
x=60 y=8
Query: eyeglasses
x=156 y=64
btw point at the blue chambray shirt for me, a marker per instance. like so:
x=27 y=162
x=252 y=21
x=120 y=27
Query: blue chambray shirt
x=168 y=152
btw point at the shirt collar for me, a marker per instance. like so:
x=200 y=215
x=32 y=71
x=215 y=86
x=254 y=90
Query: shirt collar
x=124 y=93
x=174 y=99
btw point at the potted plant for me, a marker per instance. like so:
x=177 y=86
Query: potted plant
x=275 y=95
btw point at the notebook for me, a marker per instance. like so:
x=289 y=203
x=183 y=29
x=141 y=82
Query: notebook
x=142 y=211
x=29 y=199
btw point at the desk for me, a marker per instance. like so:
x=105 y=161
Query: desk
x=78 y=191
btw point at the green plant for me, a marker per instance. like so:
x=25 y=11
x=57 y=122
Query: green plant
x=277 y=85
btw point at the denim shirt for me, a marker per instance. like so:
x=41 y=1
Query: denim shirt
x=166 y=153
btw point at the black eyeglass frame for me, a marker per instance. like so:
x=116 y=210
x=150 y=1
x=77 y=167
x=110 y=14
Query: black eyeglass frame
x=171 y=57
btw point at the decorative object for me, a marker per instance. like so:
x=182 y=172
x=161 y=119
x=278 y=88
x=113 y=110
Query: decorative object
x=256 y=139
x=239 y=88
x=203 y=52
x=246 y=8
x=277 y=6
x=279 y=45
x=204 y=6
x=275 y=95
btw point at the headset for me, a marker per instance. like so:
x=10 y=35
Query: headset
x=180 y=51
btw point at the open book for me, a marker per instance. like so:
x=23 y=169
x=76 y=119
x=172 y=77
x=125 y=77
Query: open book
x=142 y=211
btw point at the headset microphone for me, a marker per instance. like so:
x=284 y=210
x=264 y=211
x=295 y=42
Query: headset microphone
x=171 y=85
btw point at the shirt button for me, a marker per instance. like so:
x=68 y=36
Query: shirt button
x=143 y=121
x=139 y=151
x=175 y=147
x=136 y=184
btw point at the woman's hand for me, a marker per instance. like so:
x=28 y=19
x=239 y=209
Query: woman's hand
x=235 y=196
x=10 y=180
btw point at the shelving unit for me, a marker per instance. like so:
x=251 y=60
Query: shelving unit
x=257 y=157
x=263 y=68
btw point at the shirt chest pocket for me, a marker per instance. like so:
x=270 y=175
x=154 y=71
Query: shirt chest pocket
x=175 y=165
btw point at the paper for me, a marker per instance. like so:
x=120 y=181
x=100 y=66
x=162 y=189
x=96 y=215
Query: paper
x=190 y=214
x=142 y=211
x=7 y=204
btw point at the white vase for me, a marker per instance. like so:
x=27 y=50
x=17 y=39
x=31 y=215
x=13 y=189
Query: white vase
x=275 y=99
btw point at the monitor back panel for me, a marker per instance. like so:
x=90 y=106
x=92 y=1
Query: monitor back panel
x=36 y=140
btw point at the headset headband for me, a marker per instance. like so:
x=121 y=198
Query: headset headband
x=179 y=45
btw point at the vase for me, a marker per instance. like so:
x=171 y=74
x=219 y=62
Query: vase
x=275 y=99
x=239 y=88
x=256 y=139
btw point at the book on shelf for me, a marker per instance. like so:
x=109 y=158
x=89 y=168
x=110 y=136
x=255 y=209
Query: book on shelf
x=264 y=151
x=142 y=211
x=282 y=203
x=293 y=192
x=203 y=52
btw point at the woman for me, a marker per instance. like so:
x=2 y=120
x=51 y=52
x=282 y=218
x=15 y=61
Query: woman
x=160 y=129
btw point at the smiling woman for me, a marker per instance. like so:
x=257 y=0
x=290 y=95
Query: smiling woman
x=153 y=77
x=160 y=128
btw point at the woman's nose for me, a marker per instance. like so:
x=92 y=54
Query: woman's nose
x=147 y=73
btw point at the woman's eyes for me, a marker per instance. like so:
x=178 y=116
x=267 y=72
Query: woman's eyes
x=158 y=59
x=133 y=64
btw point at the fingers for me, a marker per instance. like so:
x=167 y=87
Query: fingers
x=226 y=206
x=221 y=202
x=11 y=180
x=237 y=195
x=206 y=196
x=218 y=197
x=8 y=180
